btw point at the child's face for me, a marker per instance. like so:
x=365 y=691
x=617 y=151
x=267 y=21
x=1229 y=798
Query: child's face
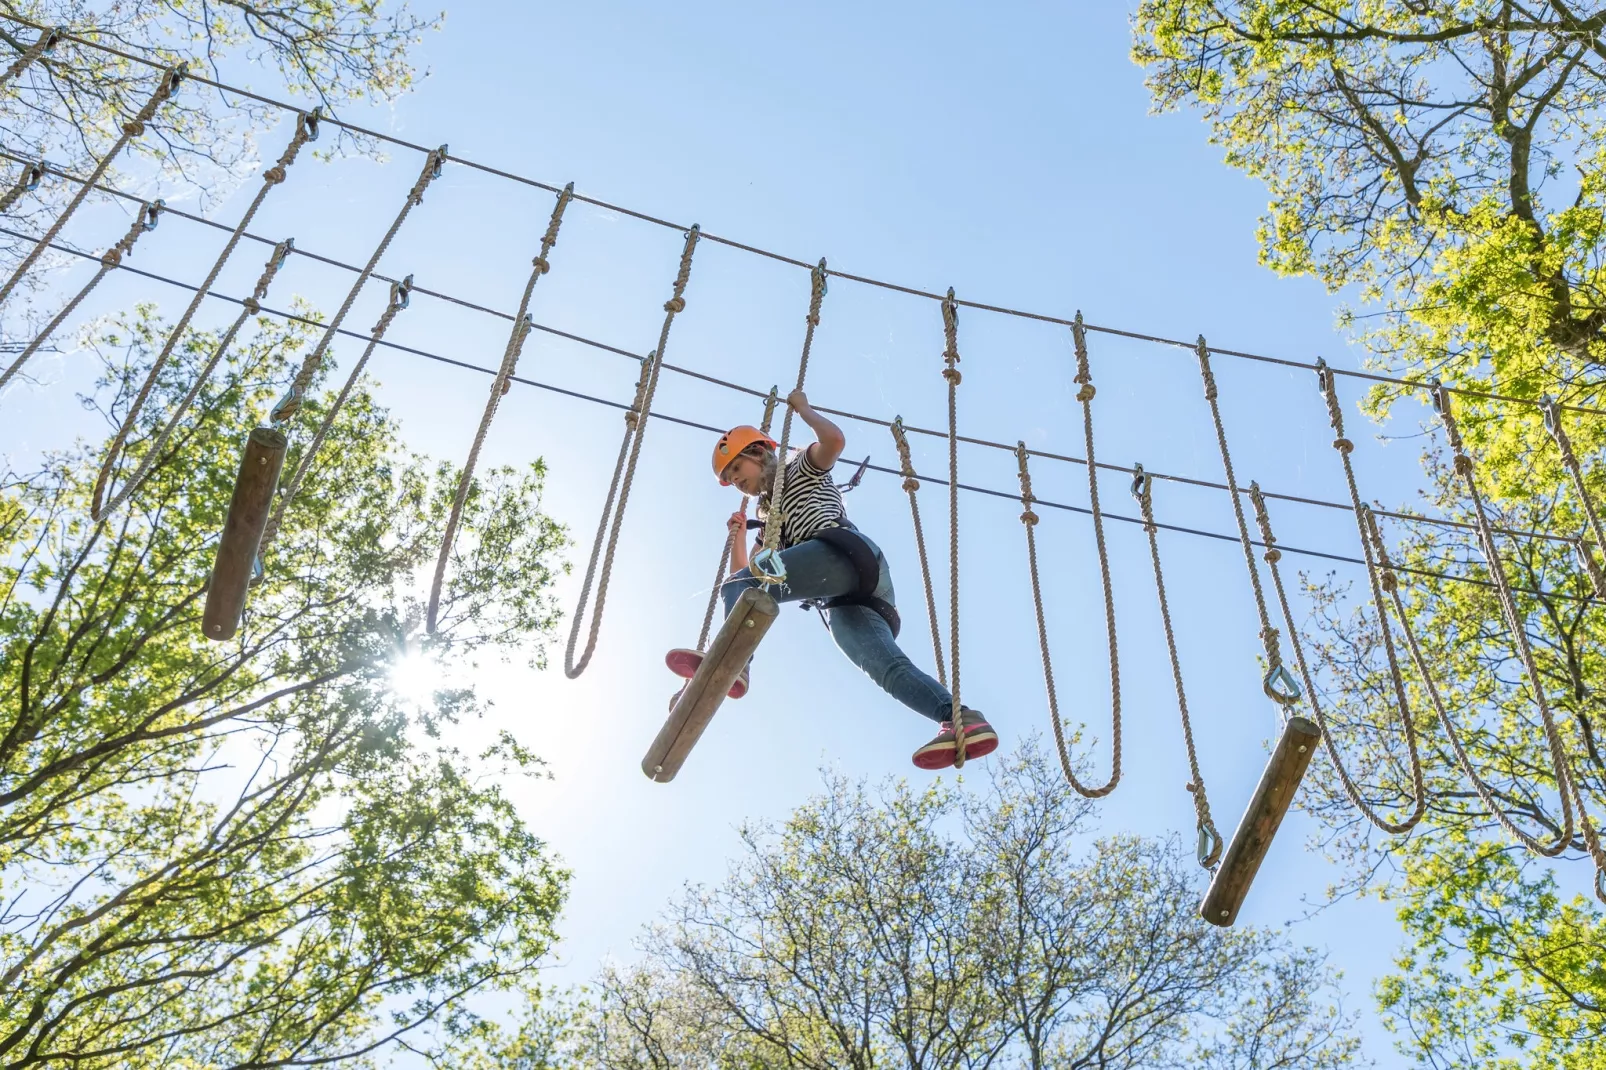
x=747 y=473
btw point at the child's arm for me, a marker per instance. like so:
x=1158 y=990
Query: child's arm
x=737 y=526
x=829 y=440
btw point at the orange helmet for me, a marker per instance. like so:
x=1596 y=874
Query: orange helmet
x=733 y=442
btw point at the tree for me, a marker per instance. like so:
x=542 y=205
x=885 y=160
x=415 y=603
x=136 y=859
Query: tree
x=941 y=928
x=255 y=853
x=1444 y=159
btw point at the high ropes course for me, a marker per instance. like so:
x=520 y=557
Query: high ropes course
x=263 y=493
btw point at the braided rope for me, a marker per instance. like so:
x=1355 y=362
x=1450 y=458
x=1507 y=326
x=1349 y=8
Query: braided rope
x=306 y=130
x=1288 y=693
x=44 y=44
x=28 y=181
x=499 y=387
x=130 y=130
x=1209 y=847
x=1565 y=782
x=144 y=220
x=1564 y=444
x=400 y=298
x=624 y=474
x=731 y=537
x=1351 y=790
x=765 y=567
x=911 y=483
x=1371 y=544
x=950 y=356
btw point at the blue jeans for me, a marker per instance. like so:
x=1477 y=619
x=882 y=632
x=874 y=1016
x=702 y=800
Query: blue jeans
x=817 y=570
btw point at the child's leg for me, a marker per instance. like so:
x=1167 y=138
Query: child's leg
x=866 y=638
x=813 y=570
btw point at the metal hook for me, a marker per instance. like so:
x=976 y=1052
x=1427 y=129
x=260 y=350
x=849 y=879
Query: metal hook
x=401 y=293
x=1140 y=481
x=1600 y=883
x=1441 y=397
x=1281 y=687
x=1324 y=375
x=1208 y=848
x=152 y=212
x=286 y=406
x=440 y=161
x=52 y=39
x=282 y=251
x=819 y=274
x=312 y=119
x=36 y=175
x=1551 y=414
x=858 y=474
x=258 y=571
x=767 y=567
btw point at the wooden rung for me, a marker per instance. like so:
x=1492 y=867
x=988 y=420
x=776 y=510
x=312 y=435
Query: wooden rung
x=1276 y=790
x=728 y=654
x=242 y=532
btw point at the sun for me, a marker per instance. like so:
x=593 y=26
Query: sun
x=415 y=677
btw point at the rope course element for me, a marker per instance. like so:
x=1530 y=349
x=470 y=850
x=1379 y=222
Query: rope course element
x=1566 y=784
x=499 y=386
x=1366 y=527
x=950 y=356
x=306 y=130
x=766 y=565
x=145 y=220
x=1583 y=549
x=1278 y=685
x=911 y=483
x=27 y=181
x=1423 y=386
x=130 y=130
x=730 y=539
x=624 y=473
x=43 y=45
x=1209 y=845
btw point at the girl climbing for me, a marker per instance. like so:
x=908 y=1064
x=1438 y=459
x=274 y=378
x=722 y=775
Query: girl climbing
x=829 y=562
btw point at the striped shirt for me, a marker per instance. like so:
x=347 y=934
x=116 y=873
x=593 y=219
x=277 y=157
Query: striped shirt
x=810 y=501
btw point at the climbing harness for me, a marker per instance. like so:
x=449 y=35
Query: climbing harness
x=624 y=474
x=306 y=130
x=28 y=181
x=846 y=540
x=43 y=45
x=131 y=130
x=145 y=220
x=1208 y=847
x=499 y=387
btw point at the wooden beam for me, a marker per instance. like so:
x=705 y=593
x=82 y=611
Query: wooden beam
x=1273 y=794
x=242 y=532
x=728 y=654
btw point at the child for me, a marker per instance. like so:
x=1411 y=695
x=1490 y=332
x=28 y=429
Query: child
x=827 y=560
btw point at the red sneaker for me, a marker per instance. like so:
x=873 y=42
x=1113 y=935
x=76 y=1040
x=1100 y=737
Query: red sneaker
x=684 y=663
x=980 y=741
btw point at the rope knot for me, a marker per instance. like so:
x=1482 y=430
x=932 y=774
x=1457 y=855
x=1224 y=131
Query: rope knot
x=507 y=384
x=112 y=257
x=1344 y=446
x=1463 y=464
x=675 y=304
x=911 y=484
x=1085 y=394
x=252 y=305
x=1389 y=582
x=1028 y=518
x=540 y=264
x=632 y=417
x=134 y=129
x=952 y=375
x=1274 y=555
x=273 y=175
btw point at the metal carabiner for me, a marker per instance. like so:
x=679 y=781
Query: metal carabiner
x=287 y=405
x=767 y=567
x=401 y=293
x=858 y=474
x=312 y=119
x=151 y=213
x=36 y=175
x=1289 y=694
x=281 y=253
x=1208 y=849
x=1140 y=481
x=258 y=571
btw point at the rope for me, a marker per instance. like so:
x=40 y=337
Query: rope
x=499 y=387
x=1209 y=846
x=43 y=45
x=950 y=356
x=911 y=483
x=28 y=181
x=624 y=473
x=1564 y=444
x=1570 y=795
x=1273 y=555
x=766 y=567
x=1371 y=544
x=306 y=130
x=144 y=220
x=130 y=130
x=731 y=537
x=1278 y=685
x=400 y=293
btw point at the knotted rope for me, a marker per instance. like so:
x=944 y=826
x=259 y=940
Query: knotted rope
x=731 y=537
x=400 y=298
x=1278 y=684
x=130 y=130
x=499 y=387
x=144 y=220
x=766 y=566
x=911 y=483
x=624 y=474
x=28 y=181
x=306 y=130
x=1208 y=849
x=1564 y=444
x=43 y=45
x=1366 y=527
x=950 y=356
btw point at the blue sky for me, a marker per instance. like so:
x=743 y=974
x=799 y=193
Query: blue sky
x=1004 y=150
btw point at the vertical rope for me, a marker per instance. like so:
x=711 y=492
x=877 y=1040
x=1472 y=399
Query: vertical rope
x=28 y=181
x=130 y=130
x=730 y=538
x=1564 y=444
x=911 y=483
x=1278 y=685
x=43 y=45
x=306 y=130
x=950 y=356
x=144 y=220
x=1366 y=527
x=1208 y=850
x=499 y=386
x=624 y=474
